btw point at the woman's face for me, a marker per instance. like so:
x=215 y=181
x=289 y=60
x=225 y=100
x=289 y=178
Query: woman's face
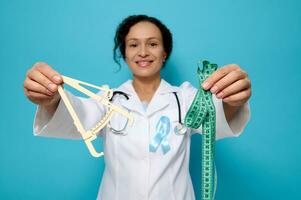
x=144 y=51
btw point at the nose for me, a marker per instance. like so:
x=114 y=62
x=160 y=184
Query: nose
x=143 y=52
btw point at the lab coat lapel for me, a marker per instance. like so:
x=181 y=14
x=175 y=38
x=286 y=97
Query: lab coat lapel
x=159 y=101
x=133 y=104
x=161 y=98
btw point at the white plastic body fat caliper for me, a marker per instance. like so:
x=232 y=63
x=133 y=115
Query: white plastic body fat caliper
x=91 y=134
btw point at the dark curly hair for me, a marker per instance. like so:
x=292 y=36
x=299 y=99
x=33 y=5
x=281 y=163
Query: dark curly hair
x=124 y=28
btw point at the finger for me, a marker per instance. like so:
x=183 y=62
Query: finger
x=227 y=80
x=26 y=91
x=235 y=87
x=43 y=80
x=49 y=72
x=236 y=103
x=217 y=75
x=35 y=95
x=240 y=96
x=36 y=87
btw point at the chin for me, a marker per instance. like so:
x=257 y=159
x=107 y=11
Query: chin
x=145 y=74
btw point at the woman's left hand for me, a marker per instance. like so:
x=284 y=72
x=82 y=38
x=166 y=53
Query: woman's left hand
x=229 y=83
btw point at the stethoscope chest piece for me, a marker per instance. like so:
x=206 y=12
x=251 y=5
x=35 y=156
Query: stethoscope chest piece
x=180 y=129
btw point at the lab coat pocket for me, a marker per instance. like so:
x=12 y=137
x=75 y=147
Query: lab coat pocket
x=118 y=124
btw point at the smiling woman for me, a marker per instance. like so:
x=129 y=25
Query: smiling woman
x=136 y=167
x=145 y=56
x=125 y=26
x=145 y=53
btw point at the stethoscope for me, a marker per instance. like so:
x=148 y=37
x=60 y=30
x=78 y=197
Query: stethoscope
x=180 y=128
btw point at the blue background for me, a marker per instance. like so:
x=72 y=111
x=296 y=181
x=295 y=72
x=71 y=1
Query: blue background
x=76 y=38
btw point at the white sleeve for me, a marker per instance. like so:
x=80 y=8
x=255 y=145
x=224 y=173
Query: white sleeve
x=61 y=125
x=223 y=128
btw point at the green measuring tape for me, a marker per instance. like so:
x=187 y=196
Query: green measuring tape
x=202 y=112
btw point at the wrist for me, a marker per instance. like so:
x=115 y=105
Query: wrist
x=52 y=105
x=230 y=111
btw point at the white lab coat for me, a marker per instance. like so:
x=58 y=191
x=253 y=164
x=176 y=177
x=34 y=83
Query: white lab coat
x=131 y=171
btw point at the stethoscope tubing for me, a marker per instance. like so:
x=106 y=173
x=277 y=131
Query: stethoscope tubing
x=180 y=128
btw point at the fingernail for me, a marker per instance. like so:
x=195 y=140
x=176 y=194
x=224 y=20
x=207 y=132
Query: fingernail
x=52 y=86
x=57 y=78
x=213 y=89
x=205 y=85
x=220 y=95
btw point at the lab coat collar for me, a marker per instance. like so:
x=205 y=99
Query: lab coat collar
x=159 y=101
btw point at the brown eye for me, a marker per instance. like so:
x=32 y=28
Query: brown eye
x=153 y=44
x=133 y=45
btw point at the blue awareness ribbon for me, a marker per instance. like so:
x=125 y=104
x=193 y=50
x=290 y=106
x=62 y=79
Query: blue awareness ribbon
x=162 y=130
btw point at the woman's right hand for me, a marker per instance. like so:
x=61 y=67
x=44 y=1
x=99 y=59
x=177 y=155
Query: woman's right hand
x=41 y=86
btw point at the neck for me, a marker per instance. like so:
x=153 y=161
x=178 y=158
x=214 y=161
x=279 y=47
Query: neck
x=146 y=87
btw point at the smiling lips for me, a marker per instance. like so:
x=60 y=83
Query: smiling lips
x=144 y=63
